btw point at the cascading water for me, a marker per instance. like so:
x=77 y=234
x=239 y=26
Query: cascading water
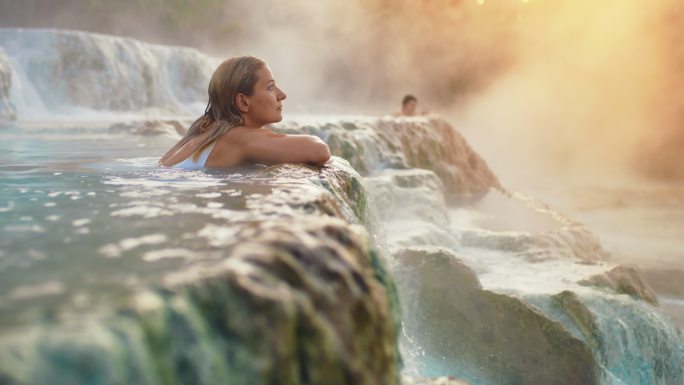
x=113 y=270
x=58 y=73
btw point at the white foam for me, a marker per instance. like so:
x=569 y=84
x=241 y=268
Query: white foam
x=114 y=250
x=156 y=255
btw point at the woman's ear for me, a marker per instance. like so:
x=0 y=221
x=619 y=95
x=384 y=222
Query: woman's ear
x=241 y=102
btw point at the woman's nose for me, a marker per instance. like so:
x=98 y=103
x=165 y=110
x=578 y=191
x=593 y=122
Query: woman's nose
x=281 y=95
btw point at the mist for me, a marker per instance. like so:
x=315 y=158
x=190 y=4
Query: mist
x=564 y=87
x=592 y=92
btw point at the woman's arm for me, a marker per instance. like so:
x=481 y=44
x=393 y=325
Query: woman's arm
x=264 y=146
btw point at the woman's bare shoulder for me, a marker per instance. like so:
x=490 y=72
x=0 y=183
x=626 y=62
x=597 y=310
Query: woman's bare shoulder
x=233 y=136
x=241 y=138
x=255 y=135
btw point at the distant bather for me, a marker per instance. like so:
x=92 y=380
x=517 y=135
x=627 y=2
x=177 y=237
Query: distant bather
x=409 y=107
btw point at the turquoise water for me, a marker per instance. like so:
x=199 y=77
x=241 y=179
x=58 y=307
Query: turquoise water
x=87 y=216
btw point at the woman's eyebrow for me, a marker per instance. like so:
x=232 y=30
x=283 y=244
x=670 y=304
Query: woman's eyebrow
x=271 y=81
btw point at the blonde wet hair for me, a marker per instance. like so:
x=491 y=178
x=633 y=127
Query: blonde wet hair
x=232 y=77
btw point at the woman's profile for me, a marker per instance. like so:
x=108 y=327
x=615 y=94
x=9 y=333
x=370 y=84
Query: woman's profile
x=243 y=97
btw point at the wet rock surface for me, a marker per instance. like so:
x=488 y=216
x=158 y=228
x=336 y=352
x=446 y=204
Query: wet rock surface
x=624 y=280
x=493 y=338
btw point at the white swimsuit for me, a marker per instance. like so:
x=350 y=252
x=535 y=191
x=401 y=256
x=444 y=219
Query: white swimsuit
x=190 y=164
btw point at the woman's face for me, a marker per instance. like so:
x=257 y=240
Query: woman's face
x=265 y=104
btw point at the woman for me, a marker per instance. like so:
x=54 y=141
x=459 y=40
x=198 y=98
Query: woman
x=243 y=97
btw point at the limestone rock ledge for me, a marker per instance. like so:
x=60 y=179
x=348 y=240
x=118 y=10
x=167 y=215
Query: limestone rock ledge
x=624 y=280
x=492 y=338
x=454 y=325
x=371 y=145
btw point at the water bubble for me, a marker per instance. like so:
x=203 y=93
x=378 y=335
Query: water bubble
x=156 y=255
x=110 y=250
x=130 y=243
x=81 y=222
x=208 y=195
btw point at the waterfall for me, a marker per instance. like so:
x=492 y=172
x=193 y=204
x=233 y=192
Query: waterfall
x=57 y=73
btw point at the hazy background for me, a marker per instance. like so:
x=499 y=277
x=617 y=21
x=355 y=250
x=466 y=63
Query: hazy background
x=581 y=87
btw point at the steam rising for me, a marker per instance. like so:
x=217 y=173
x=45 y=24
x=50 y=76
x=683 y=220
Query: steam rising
x=593 y=88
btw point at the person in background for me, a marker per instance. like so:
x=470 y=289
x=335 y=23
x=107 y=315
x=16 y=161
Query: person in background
x=243 y=98
x=409 y=107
